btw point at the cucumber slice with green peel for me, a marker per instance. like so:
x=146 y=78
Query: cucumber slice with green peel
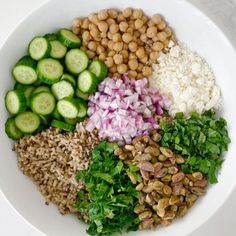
x=76 y=61
x=11 y=130
x=62 y=125
x=28 y=92
x=71 y=121
x=19 y=86
x=99 y=69
x=62 y=89
x=68 y=38
x=40 y=89
x=38 y=83
x=24 y=71
x=39 y=48
x=82 y=108
x=27 y=122
x=67 y=107
x=69 y=78
x=87 y=82
x=15 y=101
x=56 y=115
x=45 y=120
x=79 y=94
x=50 y=37
x=49 y=70
x=58 y=50
x=43 y=103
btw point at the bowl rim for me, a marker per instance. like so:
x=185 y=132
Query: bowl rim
x=182 y=2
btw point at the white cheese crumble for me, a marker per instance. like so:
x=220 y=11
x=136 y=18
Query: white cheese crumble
x=187 y=80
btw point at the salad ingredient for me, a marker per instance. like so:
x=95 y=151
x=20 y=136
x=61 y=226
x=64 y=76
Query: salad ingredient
x=69 y=39
x=11 y=130
x=39 y=48
x=58 y=50
x=87 y=82
x=42 y=88
x=123 y=108
x=15 y=101
x=82 y=108
x=51 y=159
x=24 y=71
x=118 y=40
x=69 y=78
x=62 y=89
x=27 y=122
x=111 y=196
x=187 y=80
x=201 y=139
x=62 y=125
x=166 y=192
x=49 y=70
x=79 y=94
x=99 y=69
x=67 y=107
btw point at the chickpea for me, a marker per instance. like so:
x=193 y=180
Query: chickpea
x=77 y=22
x=109 y=62
x=118 y=46
x=144 y=60
x=168 y=31
x=86 y=36
x=166 y=43
x=132 y=55
x=130 y=30
x=83 y=48
x=100 y=49
x=133 y=64
x=102 y=15
x=162 y=36
x=85 y=23
x=127 y=12
x=140 y=53
x=111 y=53
x=102 y=26
x=124 y=54
x=132 y=74
x=92 y=26
x=139 y=76
x=147 y=71
x=137 y=14
x=113 y=69
x=155 y=39
x=90 y=54
x=127 y=37
x=157 y=46
x=133 y=46
x=134 y=39
x=110 y=21
x=122 y=68
x=125 y=60
x=153 y=56
x=114 y=28
x=144 y=19
x=120 y=18
x=131 y=24
x=118 y=59
x=140 y=42
x=161 y=25
x=103 y=35
x=143 y=37
x=151 y=23
x=156 y=19
x=102 y=57
x=149 y=42
x=92 y=46
x=94 y=33
x=151 y=32
x=110 y=44
x=140 y=67
x=112 y=13
x=116 y=37
x=93 y=17
x=110 y=35
x=123 y=26
x=138 y=24
x=125 y=46
x=97 y=39
x=143 y=29
x=75 y=30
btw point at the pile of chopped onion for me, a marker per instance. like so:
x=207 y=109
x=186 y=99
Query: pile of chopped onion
x=123 y=109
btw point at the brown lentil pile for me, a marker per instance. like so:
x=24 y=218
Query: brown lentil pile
x=165 y=192
x=127 y=41
x=52 y=158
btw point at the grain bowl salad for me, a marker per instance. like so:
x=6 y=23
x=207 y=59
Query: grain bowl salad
x=116 y=121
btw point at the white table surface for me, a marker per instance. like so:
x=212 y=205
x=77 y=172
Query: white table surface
x=223 y=12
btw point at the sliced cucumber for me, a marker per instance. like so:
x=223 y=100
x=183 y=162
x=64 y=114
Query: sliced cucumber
x=67 y=107
x=19 y=86
x=68 y=38
x=87 y=82
x=40 y=89
x=15 y=101
x=62 y=89
x=44 y=119
x=50 y=37
x=42 y=103
x=58 y=50
x=49 y=70
x=69 y=78
x=82 y=108
x=62 y=125
x=99 y=69
x=27 y=122
x=38 y=83
x=11 y=130
x=27 y=92
x=39 y=48
x=79 y=94
x=56 y=115
x=71 y=121
x=24 y=71
x=76 y=61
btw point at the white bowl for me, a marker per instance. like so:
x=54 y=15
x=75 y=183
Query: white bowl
x=192 y=27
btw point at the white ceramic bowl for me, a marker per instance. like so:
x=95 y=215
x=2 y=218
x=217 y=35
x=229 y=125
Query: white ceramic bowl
x=191 y=27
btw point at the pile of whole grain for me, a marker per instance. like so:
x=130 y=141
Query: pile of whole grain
x=128 y=40
x=52 y=158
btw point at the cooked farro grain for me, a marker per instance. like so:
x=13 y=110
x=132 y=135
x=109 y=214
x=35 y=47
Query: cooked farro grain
x=51 y=159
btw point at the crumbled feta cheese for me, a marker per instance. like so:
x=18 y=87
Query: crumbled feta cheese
x=187 y=80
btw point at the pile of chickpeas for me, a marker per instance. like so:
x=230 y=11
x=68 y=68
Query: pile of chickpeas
x=127 y=41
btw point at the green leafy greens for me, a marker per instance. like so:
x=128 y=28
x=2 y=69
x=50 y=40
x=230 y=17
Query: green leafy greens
x=201 y=139
x=111 y=196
